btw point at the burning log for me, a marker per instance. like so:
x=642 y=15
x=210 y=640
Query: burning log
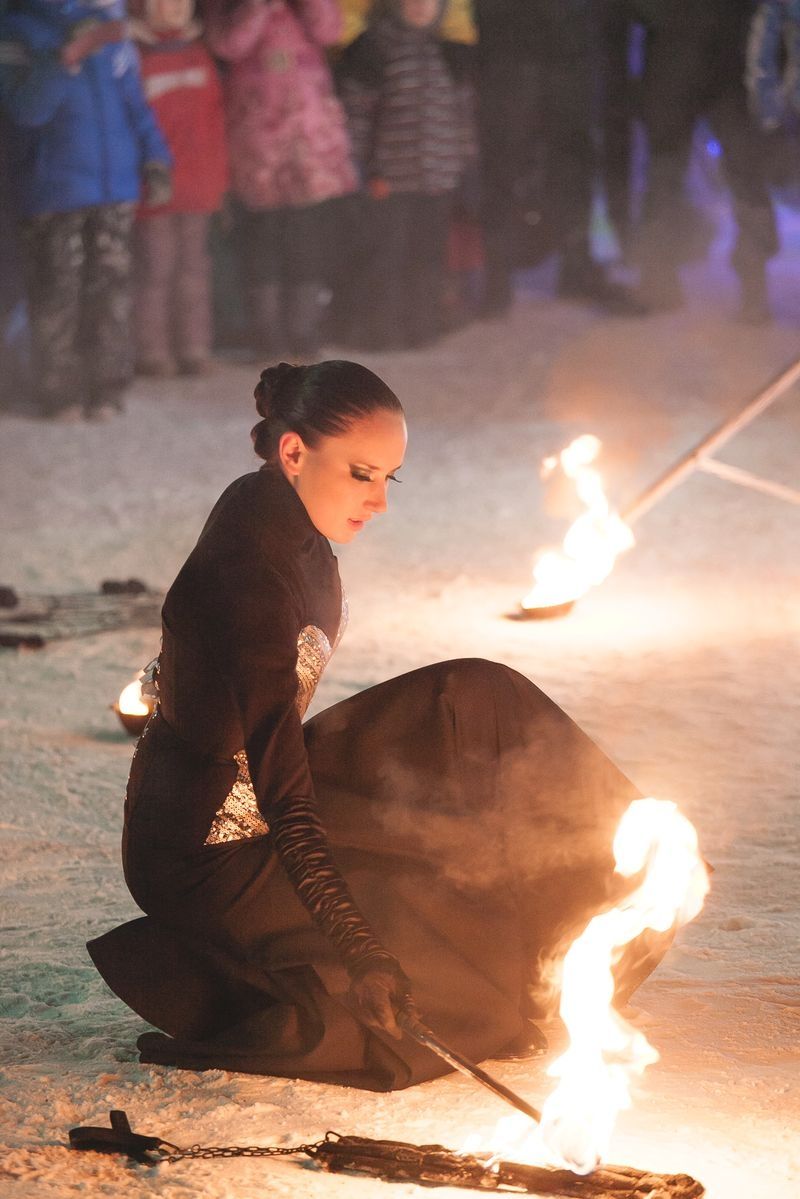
x=399 y=1161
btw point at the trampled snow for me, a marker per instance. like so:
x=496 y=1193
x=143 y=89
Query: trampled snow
x=684 y=666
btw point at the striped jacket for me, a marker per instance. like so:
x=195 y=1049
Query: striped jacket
x=409 y=107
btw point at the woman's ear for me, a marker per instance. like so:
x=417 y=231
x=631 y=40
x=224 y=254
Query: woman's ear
x=291 y=452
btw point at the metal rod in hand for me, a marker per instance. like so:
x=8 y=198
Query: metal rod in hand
x=695 y=457
x=425 y=1037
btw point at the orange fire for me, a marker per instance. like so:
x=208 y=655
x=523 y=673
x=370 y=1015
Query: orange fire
x=131 y=700
x=605 y=1051
x=593 y=541
x=134 y=707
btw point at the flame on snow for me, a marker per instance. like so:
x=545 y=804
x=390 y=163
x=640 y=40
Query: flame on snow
x=593 y=541
x=605 y=1052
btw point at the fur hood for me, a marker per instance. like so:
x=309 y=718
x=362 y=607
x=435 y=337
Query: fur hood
x=391 y=10
x=144 y=35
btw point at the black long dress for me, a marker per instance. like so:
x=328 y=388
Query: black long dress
x=470 y=817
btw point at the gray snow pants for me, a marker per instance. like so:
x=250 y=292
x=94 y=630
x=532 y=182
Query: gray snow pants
x=79 y=296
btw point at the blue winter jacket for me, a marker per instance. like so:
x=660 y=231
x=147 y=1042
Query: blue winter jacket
x=76 y=139
x=773 y=62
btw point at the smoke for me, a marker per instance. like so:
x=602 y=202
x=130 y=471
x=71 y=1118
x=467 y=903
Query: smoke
x=514 y=823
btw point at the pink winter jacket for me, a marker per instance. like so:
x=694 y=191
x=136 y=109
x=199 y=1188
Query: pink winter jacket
x=287 y=137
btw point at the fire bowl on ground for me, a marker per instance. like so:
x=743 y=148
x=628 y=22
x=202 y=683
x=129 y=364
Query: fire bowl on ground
x=133 y=708
x=545 y=612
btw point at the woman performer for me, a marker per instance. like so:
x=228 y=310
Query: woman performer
x=439 y=835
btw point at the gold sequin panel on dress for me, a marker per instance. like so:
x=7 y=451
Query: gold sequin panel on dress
x=239 y=817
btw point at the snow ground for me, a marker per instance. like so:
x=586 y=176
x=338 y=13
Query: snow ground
x=684 y=666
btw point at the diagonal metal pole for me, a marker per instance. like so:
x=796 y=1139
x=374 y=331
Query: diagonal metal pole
x=424 y=1036
x=696 y=457
x=734 y=474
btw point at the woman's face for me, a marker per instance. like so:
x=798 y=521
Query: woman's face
x=164 y=16
x=343 y=482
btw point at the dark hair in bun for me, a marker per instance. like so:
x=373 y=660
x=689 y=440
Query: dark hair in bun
x=320 y=400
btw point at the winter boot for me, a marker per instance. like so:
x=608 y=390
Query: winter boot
x=266 y=321
x=582 y=278
x=105 y=402
x=754 y=306
x=751 y=268
x=659 y=283
x=304 y=319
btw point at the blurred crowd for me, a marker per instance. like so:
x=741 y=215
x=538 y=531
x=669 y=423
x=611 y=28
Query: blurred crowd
x=240 y=176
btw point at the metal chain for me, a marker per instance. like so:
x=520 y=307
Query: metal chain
x=209 y=1151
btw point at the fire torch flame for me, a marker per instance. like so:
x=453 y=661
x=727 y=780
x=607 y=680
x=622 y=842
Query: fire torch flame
x=606 y=1052
x=593 y=541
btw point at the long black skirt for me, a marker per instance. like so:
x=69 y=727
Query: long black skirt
x=473 y=822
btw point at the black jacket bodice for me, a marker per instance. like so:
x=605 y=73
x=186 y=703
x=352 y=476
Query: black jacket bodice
x=260 y=583
x=248 y=626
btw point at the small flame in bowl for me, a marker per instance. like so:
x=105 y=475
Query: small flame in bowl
x=134 y=707
x=131 y=700
x=593 y=541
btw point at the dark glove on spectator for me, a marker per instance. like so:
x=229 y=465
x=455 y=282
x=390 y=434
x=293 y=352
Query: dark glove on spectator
x=157 y=184
x=86 y=37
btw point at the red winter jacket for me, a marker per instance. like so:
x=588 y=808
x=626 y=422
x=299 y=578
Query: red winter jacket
x=182 y=85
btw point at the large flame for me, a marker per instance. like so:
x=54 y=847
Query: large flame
x=593 y=541
x=605 y=1052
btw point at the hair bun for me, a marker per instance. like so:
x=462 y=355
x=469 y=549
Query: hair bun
x=270 y=385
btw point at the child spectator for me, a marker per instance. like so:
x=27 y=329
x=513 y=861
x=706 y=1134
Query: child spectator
x=82 y=136
x=410 y=111
x=773 y=64
x=14 y=332
x=694 y=68
x=289 y=155
x=172 y=312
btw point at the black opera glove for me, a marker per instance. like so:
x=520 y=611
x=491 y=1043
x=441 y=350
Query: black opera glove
x=381 y=991
x=379 y=987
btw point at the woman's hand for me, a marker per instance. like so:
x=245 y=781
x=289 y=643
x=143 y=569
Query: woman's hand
x=380 y=992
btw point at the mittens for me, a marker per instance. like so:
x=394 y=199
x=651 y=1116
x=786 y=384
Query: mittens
x=86 y=37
